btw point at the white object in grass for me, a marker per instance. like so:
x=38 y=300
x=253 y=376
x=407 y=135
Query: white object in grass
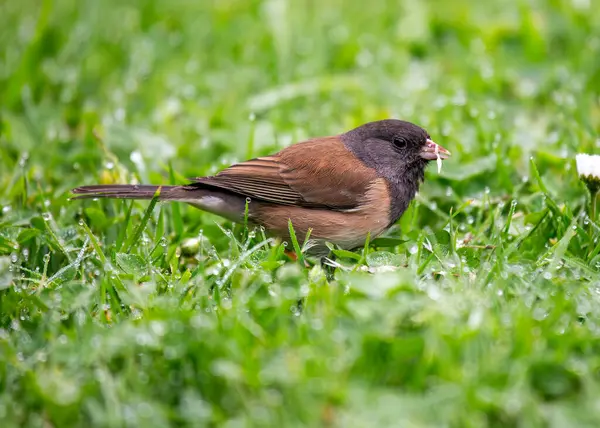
x=588 y=165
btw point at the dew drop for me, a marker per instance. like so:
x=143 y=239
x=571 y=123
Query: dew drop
x=23 y=159
x=226 y=303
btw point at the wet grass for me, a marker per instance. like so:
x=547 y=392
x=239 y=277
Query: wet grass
x=482 y=309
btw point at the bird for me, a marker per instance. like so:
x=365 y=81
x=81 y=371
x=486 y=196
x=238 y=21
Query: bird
x=344 y=188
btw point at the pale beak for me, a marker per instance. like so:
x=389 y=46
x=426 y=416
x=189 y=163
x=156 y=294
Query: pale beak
x=431 y=151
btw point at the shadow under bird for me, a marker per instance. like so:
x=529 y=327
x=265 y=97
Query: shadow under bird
x=343 y=187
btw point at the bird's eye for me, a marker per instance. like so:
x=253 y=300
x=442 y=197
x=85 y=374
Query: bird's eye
x=399 y=142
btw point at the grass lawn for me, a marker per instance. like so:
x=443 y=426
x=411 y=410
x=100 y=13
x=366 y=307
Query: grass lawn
x=481 y=309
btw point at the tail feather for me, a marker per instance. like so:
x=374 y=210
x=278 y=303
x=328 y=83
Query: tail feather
x=215 y=201
x=129 y=191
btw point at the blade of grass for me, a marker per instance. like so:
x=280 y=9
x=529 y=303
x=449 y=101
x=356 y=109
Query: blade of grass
x=295 y=243
x=175 y=207
x=140 y=229
x=94 y=242
x=123 y=231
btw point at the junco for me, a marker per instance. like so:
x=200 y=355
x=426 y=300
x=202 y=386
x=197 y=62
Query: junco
x=342 y=187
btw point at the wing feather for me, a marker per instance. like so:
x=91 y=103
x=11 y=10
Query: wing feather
x=300 y=175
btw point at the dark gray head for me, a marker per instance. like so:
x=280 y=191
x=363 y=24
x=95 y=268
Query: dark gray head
x=399 y=151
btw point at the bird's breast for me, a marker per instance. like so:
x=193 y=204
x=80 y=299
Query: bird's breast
x=347 y=229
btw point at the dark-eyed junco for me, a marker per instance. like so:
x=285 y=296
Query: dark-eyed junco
x=342 y=187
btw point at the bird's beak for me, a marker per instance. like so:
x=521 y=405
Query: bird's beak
x=431 y=151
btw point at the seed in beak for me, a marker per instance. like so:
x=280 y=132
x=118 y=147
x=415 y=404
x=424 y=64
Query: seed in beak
x=432 y=151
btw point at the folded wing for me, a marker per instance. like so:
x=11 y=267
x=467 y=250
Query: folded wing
x=300 y=175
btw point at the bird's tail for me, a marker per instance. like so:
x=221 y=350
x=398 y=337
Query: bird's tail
x=131 y=191
x=226 y=205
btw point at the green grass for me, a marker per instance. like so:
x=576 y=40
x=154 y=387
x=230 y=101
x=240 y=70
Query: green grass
x=482 y=310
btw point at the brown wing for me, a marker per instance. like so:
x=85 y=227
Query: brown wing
x=315 y=173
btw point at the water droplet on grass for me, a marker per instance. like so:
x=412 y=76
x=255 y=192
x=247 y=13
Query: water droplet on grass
x=23 y=159
x=304 y=290
x=226 y=303
x=158 y=328
x=539 y=314
x=434 y=293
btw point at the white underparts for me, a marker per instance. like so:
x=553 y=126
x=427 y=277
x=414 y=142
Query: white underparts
x=215 y=205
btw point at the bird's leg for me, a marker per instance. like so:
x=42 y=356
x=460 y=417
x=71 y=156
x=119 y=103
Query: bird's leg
x=294 y=257
x=291 y=254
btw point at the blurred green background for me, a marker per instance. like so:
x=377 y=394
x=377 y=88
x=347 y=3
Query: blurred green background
x=114 y=316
